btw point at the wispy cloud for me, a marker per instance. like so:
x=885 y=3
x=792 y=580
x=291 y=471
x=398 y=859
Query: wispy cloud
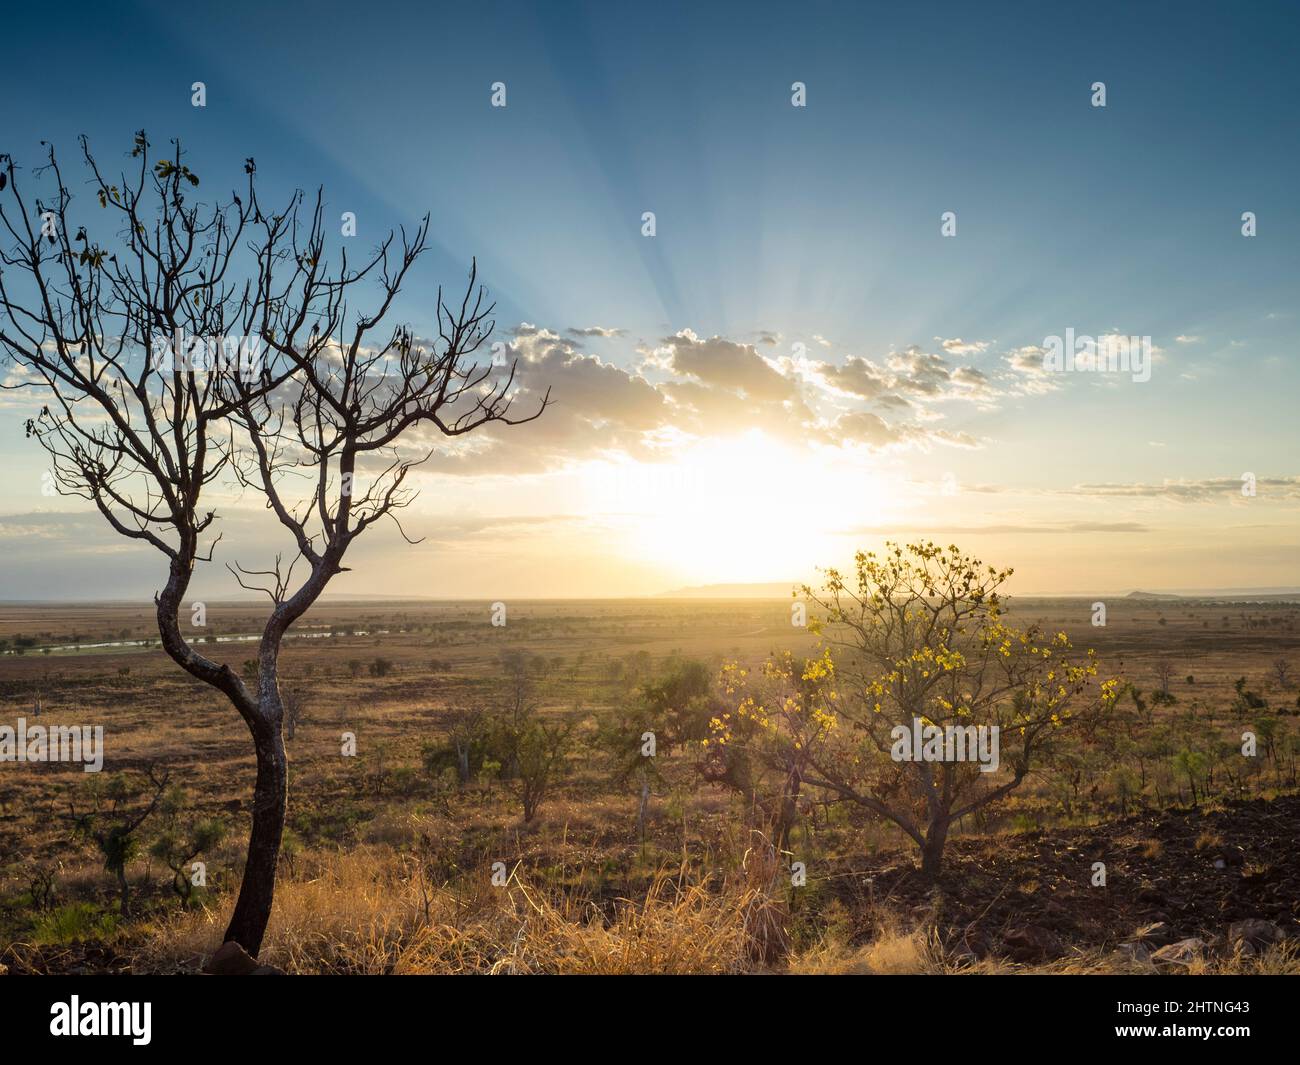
x=924 y=529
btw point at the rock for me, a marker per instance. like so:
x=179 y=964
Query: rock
x=267 y=970
x=1033 y=943
x=1133 y=954
x=1182 y=954
x=1158 y=932
x=1251 y=936
x=230 y=959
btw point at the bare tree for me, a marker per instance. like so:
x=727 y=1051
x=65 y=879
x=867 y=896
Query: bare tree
x=1281 y=670
x=468 y=729
x=1164 y=673
x=126 y=326
x=294 y=701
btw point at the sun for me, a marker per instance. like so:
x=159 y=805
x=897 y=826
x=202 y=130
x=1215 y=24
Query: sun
x=743 y=509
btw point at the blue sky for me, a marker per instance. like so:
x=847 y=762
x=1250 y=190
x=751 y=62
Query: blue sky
x=779 y=227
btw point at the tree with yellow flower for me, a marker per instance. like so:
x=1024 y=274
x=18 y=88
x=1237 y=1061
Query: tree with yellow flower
x=915 y=643
x=764 y=743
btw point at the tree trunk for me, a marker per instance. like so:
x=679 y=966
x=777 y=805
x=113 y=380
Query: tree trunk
x=270 y=796
x=644 y=807
x=932 y=852
x=789 y=810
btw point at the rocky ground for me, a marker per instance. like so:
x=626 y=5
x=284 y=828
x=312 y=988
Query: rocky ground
x=1178 y=884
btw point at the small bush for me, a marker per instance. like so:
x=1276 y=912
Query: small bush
x=73 y=922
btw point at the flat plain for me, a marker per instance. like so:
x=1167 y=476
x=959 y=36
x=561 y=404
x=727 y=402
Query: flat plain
x=391 y=853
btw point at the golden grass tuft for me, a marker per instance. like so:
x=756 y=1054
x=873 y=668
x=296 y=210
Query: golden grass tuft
x=362 y=912
x=1208 y=840
x=893 y=952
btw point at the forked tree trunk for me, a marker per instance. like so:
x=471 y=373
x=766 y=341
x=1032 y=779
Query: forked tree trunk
x=270 y=797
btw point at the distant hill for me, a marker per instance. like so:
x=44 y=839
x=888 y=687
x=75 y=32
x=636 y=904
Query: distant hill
x=1224 y=595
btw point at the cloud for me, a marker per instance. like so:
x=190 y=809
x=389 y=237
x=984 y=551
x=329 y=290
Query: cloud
x=1195 y=491
x=957 y=346
x=726 y=364
x=1033 y=378
x=1028 y=359
x=458 y=530
x=922 y=529
x=702 y=411
x=715 y=386
x=865 y=428
x=972 y=380
x=690 y=386
x=596 y=331
x=913 y=373
x=596 y=408
x=892 y=402
x=919 y=372
x=856 y=377
x=62 y=527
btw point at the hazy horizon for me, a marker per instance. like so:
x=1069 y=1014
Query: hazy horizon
x=697 y=593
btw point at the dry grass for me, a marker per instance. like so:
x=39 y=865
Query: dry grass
x=365 y=912
x=893 y=952
x=1208 y=840
x=918 y=953
x=361 y=912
